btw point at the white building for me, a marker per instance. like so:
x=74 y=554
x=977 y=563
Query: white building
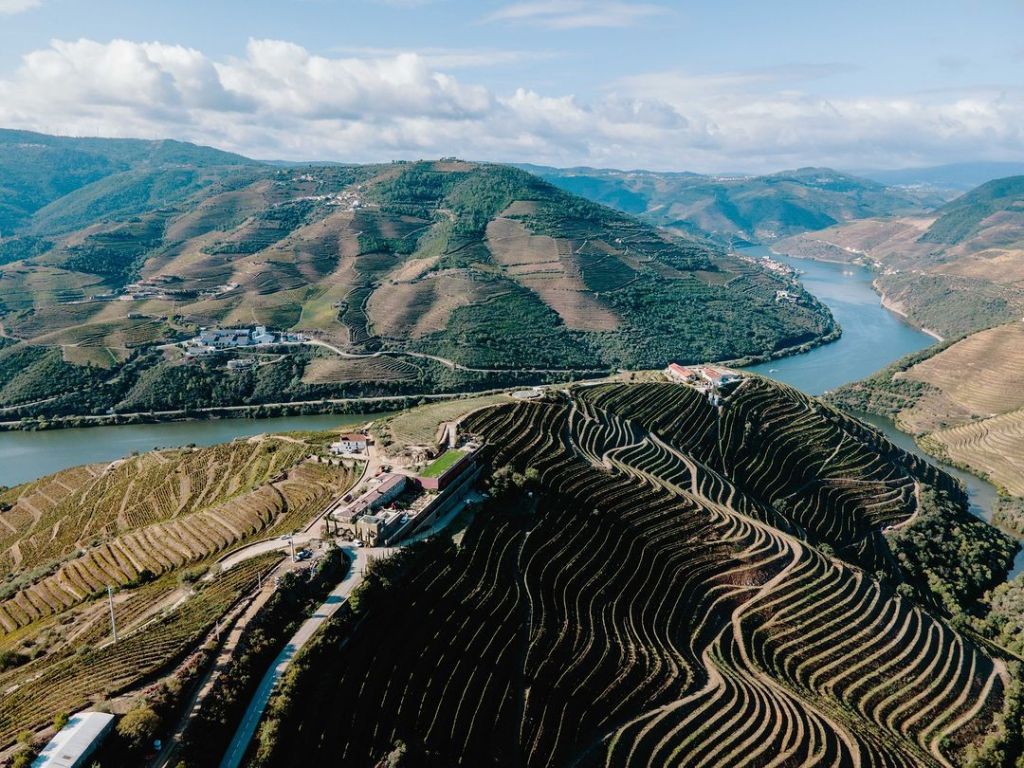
x=260 y=335
x=351 y=443
x=76 y=741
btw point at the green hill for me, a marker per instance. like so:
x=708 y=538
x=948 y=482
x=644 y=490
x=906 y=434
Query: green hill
x=439 y=275
x=971 y=213
x=740 y=209
x=36 y=169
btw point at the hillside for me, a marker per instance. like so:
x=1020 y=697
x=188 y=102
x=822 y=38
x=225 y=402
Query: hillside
x=958 y=270
x=409 y=278
x=659 y=582
x=959 y=177
x=738 y=210
x=150 y=527
x=964 y=403
x=36 y=170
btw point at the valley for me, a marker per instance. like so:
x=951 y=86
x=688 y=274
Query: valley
x=579 y=384
x=633 y=572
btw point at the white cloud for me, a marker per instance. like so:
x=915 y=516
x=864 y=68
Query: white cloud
x=10 y=7
x=453 y=58
x=576 y=14
x=278 y=100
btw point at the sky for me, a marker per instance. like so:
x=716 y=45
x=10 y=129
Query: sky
x=724 y=86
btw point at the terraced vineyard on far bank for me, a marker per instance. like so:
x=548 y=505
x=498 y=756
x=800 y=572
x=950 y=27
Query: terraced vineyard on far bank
x=151 y=527
x=657 y=581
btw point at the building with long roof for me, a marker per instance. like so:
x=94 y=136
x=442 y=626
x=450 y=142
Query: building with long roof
x=75 y=743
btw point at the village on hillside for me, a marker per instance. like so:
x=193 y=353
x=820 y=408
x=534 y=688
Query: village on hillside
x=212 y=340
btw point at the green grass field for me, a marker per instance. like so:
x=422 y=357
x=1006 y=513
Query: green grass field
x=446 y=461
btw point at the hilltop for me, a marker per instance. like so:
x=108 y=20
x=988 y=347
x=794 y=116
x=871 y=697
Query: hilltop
x=739 y=210
x=122 y=176
x=407 y=278
x=657 y=581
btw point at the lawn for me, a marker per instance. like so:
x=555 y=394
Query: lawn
x=446 y=461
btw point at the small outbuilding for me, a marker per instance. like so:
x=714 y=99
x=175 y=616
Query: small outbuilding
x=76 y=742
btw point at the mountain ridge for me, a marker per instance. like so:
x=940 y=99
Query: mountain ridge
x=740 y=209
x=464 y=274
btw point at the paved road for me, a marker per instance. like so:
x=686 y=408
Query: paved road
x=361 y=557
x=247 y=728
x=443 y=360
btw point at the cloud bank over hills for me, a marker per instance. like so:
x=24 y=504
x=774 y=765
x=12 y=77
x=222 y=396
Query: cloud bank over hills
x=279 y=100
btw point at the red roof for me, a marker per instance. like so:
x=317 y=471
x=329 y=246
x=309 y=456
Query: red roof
x=681 y=370
x=353 y=438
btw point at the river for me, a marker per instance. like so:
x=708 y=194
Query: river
x=27 y=455
x=873 y=337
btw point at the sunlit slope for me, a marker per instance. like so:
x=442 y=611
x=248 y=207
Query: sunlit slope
x=149 y=527
x=738 y=209
x=661 y=596
x=957 y=270
x=965 y=402
x=483 y=266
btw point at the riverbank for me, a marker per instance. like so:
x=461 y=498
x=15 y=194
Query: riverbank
x=871 y=336
x=26 y=456
x=982 y=495
x=894 y=307
x=323 y=406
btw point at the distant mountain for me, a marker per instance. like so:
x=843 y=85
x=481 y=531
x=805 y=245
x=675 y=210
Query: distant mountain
x=439 y=276
x=955 y=271
x=997 y=206
x=740 y=209
x=959 y=177
x=36 y=170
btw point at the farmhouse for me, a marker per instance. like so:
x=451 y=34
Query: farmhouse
x=703 y=377
x=719 y=377
x=76 y=741
x=350 y=443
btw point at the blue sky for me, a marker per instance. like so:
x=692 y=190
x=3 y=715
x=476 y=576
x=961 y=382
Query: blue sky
x=704 y=86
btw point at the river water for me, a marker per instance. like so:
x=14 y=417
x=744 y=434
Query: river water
x=873 y=337
x=27 y=455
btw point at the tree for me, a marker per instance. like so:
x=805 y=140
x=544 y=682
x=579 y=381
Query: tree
x=139 y=725
x=60 y=720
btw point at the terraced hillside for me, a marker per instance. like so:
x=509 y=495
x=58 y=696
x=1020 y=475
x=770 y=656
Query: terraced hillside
x=497 y=275
x=742 y=209
x=964 y=402
x=149 y=526
x=661 y=582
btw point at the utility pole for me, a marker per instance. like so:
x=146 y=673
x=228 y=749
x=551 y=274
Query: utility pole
x=113 y=622
x=291 y=541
